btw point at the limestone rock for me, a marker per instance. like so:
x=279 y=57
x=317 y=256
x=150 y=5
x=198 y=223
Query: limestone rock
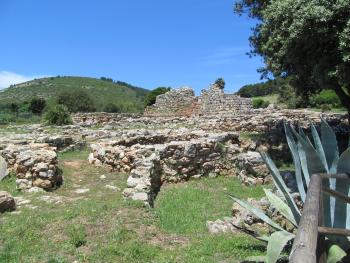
x=7 y=202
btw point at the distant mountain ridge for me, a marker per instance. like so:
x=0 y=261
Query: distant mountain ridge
x=103 y=91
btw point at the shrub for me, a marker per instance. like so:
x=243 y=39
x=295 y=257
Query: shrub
x=326 y=107
x=151 y=96
x=326 y=97
x=220 y=82
x=77 y=100
x=112 y=108
x=14 y=107
x=37 y=105
x=58 y=115
x=260 y=103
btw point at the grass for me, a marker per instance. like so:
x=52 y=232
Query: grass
x=272 y=98
x=100 y=226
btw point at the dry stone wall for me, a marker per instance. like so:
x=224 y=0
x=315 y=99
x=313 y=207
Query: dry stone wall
x=35 y=166
x=182 y=102
x=173 y=158
x=176 y=102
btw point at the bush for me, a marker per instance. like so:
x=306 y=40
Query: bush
x=112 y=108
x=151 y=96
x=77 y=100
x=326 y=97
x=220 y=82
x=326 y=107
x=260 y=103
x=37 y=105
x=58 y=115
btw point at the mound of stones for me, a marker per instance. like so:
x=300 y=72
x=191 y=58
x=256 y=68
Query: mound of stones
x=35 y=165
x=7 y=202
x=167 y=156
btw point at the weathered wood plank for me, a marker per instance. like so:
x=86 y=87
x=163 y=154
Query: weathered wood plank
x=306 y=239
x=336 y=194
x=333 y=231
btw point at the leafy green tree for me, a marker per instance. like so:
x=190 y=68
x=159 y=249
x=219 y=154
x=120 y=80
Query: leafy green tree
x=77 y=100
x=37 y=105
x=220 y=82
x=151 y=96
x=112 y=108
x=307 y=39
x=58 y=115
x=14 y=107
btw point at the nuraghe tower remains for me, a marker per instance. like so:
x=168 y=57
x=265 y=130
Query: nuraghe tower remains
x=183 y=102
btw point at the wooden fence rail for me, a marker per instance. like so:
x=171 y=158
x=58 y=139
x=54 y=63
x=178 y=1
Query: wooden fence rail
x=308 y=246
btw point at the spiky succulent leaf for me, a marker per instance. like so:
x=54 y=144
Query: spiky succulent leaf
x=298 y=170
x=344 y=162
x=312 y=159
x=257 y=212
x=3 y=168
x=319 y=146
x=278 y=240
x=342 y=210
x=329 y=142
x=303 y=163
x=281 y=186
x=335 y=254
x=281 y=206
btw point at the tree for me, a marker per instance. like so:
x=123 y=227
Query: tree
x=14 y=107
x=112 y=108
x=220 y=82
x=306 y=39
x=151 y=96
x=58 y=115
x=37 y=105
x=77 y=100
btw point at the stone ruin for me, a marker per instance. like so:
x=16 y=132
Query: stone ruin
x=154 y=158
x=211 y=102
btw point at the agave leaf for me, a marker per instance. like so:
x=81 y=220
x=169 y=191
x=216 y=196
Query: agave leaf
x=319 y=146
x=281 y=186
x=335 y=254
x=298 y=172
x=303 y=163
x=3 y=168
x=278 y=240
x=342 y=210
x=329 y=142
x=344 y=162
x=281 y=206
x=256 y=211
x=305 y=137
x=312 y=159
x=328 y=206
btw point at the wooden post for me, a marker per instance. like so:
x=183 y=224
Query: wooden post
x=305 y=242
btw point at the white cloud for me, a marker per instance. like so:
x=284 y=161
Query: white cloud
x=9 y=78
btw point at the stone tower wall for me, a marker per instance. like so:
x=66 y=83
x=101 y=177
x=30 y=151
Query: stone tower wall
x=176 y=102
x=182 y=102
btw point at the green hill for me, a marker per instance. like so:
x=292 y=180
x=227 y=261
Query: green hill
x=103 y=91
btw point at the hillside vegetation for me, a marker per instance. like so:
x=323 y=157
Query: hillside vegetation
x=281 y=92
x=103 y=92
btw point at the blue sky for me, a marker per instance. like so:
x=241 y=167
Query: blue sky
x=146 y=43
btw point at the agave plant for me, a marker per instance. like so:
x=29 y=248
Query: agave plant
x=319 y=156
x=3 y=168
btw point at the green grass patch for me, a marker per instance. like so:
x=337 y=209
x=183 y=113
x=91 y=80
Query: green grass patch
x=185 y=209
x=100 y=226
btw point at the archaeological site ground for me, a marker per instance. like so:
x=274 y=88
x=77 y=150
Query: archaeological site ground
x=149 y=187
